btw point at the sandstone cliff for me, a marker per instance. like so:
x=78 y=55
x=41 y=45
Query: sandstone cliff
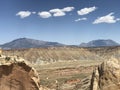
x=17 y=75
x=106 y=76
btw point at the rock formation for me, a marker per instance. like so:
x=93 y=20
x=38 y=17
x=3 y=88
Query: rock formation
x=106 y=76
x=17 y=75
x=0 y=52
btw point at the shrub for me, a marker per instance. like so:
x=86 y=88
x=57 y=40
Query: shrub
x=7 y=58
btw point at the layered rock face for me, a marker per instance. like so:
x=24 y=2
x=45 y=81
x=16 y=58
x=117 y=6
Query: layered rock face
x=106 y=76
x=0 y=51
x=18 y=76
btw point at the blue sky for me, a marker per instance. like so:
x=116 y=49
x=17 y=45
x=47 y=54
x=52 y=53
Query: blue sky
x=64 y=21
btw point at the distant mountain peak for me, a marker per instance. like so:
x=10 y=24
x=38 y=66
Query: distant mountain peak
x=99 y=43
x=29 y=43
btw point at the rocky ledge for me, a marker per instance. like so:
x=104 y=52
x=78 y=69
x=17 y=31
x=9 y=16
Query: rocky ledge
x=106 y=76
x=15 y=74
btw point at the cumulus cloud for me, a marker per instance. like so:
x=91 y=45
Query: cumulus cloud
x=33 y=12
x=61 y=12
x=106 y=19
x=23 y=14
x=85 y=11
x=118 y=19
x=44 y=14
x=68 y=9
x=80 y=19
x=57 y=12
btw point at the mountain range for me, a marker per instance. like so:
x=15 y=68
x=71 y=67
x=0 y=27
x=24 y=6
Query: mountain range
x=99 y=43
x=32 y=43
x=28 y=43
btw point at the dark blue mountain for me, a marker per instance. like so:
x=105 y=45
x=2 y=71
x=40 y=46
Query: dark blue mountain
x=28 y=43
x=99 y=43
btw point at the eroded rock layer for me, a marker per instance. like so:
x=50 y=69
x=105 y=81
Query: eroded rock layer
x=106 y=76
x=18 y=76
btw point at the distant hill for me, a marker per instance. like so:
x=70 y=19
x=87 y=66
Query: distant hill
x=99 y=43
x=32 y=43
x=28 y=43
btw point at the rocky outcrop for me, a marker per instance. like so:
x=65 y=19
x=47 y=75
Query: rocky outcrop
x=106 y=76
x=18 y=75
x=0 y=52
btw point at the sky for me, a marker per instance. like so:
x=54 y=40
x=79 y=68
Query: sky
x=65 y=21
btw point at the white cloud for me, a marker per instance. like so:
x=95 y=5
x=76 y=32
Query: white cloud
x=118 y=19
x=68 y=9
x=106 y=19
x=23 y=14
x=57 y=12
x=33 y=12
x=61 y=12
x=85 y=11
x=44 y=14
x=80 y=19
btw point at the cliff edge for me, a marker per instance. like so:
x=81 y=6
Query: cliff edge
x=106 y=76
x=15 y=74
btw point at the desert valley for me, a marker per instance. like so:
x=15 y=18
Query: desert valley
x=62 y=67
x=59 y=45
